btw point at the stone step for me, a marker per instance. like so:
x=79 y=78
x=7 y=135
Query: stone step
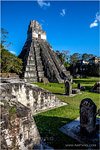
x=31 y=66
x=51 y=66
x=29 y=76
x=40 y=69
x=39 y=66
x=57 y=61
x=30 y=70
x=31 y=80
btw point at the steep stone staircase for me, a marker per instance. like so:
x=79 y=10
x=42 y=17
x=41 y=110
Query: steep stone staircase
x=59 y=65
x=30 y=70
x=38 y=60
x=52 y=69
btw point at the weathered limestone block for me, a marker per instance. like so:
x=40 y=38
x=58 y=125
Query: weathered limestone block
x=19 y=101
x=87 y=117
x=68 y=88
x=79 y=86
x=18 y=128
x=75 y=91
x=96 y=87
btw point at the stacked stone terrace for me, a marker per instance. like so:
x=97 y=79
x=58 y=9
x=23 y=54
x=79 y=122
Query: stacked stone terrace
x=39 y=60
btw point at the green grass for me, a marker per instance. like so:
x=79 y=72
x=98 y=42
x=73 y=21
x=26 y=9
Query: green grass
x=50 y=121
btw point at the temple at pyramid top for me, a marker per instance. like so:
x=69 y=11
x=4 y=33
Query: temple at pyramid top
x=35 y=31
x=40 y=62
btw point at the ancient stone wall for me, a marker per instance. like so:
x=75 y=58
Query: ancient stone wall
x=19 y=102
x=18 y=128
x=35 y=98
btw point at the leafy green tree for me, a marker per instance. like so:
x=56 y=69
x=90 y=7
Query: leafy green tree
x=66 y=53
x=86 y=56
x=74 y=58
x=93 y=69
x=10 y=62
x=3 y=38
x=66 y=64
x=4 y=35
x=61 y=56
x=64 y=57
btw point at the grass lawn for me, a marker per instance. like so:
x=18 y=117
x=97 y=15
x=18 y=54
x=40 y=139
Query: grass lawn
x=50 y=121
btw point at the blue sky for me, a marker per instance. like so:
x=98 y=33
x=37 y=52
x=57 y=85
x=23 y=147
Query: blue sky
x=69 y=25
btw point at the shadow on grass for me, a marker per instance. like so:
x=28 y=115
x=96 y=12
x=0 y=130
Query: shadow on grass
x=85 y=81
x=63 y=94
x=88 y=88
x=48 y=127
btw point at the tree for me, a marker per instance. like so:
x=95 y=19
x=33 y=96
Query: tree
x=10 y=62
x=93 y=69
x=66 y=53
x=86 y=56
x=64 y=57
x=3 y=38
x=61 y=56
x=4 y=35
x=74 y=58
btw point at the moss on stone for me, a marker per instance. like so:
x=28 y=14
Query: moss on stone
x=12 y=110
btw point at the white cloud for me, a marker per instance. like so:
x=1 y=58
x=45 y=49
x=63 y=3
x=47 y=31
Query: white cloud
x=94 y=24
x=13 y=52
x=96 y=21
x=98 y=16
x=63 y=12
x=41 y=3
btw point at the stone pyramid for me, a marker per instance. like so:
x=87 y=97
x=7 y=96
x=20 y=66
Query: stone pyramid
x=40 y=62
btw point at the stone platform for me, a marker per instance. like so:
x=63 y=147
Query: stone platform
x=72 y=129
x=30 y=95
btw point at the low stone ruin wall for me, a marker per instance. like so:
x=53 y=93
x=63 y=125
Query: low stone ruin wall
x=96 y=88
x=19 y=101
x=18 y=128
x=35 y=98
